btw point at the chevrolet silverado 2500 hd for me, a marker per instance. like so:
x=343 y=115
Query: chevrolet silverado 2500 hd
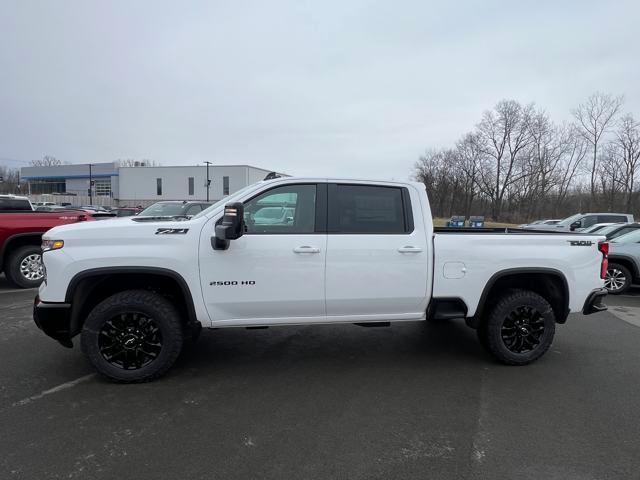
x=296 y=251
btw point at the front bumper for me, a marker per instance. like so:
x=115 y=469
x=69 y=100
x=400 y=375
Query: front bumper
x=594 y=304
x=54 y=319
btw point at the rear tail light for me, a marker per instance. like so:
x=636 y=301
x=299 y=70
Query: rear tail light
x=604 y=266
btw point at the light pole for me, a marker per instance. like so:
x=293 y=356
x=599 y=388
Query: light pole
x=208 y=181
x=90 y=189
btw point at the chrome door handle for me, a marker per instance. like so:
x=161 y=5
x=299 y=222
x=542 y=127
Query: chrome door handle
x=306 y=249
x=409 y=249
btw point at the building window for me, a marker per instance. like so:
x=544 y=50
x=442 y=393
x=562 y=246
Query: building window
x=191 y=183
x=158 y=186
x=225 y=185
x=43 y=186
x=102 y=188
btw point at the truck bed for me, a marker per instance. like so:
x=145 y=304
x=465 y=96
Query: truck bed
x=499 y=230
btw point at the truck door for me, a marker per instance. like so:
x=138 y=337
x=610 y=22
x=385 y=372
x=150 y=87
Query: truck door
x=274 y=273
x=377 y=254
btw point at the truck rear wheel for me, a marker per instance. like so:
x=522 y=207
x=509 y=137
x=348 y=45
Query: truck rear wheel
x=519 y=328
x=133 y=336
x=24 y=267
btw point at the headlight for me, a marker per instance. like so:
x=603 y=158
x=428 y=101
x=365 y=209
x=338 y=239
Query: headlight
x=52 y=245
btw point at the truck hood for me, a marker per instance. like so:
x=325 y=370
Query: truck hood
x=124 y=227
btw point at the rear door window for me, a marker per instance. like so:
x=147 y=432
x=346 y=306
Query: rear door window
x=612 y=219
x=14 y=204
x=368 y=209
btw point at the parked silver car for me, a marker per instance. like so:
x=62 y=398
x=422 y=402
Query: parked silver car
x=580 y=221
x=624 y=263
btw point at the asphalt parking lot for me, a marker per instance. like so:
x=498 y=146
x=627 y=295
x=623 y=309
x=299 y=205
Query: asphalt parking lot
x=410 y=401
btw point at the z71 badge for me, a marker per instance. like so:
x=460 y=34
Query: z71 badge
x=172 y=231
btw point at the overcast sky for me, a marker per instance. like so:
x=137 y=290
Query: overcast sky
x=348 y=88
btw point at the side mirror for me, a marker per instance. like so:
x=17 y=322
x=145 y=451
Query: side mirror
x=231 y=227
x=574 y=225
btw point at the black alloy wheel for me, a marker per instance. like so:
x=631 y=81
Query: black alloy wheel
x=522 y=329
x=130 y=340
x=133 y=336
x=519 y=328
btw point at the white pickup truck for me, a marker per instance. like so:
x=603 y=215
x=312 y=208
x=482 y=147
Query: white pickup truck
x=294 y=251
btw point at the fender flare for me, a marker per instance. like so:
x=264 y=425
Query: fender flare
x=158 y=271
x=473 y=321
x=10 y=239
x=634 y=263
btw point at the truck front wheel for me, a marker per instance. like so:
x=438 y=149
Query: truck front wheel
x=519 y=328
x=24 y=267
x=133 y=336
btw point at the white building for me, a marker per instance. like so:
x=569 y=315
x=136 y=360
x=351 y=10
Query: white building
x=144 y=184
x=138 y=185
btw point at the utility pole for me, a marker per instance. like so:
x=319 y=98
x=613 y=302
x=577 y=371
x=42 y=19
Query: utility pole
x=90 y=186
x=208 y=181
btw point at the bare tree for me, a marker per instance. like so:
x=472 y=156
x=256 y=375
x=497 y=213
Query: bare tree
x=433 y=170
x=574 y=154
x=594 y=118
x=518 y=164
x=9 y=180
x=611 y=175
x=46 y=161
x=504 y=135
x=470 y=157
x=628 y=143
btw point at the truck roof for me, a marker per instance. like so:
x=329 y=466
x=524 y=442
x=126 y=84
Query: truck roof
x=13 y=197
x=342 y=180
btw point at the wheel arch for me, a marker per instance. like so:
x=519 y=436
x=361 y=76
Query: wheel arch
x=15 y=241
x=88 y=288
x=548 y=282
x=628 y=262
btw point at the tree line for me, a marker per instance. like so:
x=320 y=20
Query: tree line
x=519 y=165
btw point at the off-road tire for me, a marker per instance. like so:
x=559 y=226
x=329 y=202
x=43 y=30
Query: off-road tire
x=494 y=327
x=146 y=303
x=12 y=270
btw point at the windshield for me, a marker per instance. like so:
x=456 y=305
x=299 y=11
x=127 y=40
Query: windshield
x=571 y=219
x=225 y=200
x=633 y=237
x=163 y=210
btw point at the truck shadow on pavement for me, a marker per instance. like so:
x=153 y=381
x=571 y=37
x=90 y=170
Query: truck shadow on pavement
x=340 y=346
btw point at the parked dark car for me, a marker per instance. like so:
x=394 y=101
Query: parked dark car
x=174 y=209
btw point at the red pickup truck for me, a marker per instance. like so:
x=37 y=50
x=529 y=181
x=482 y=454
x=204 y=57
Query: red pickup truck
x=20 y=239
